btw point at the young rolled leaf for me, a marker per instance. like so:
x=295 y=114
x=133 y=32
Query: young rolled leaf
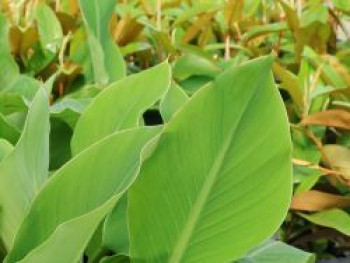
x=121 y=105
x=77 y=198
x=213 y=190
x=107 y=62
x=25 y=169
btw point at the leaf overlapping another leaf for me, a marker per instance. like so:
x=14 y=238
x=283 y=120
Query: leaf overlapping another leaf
x=190 y=203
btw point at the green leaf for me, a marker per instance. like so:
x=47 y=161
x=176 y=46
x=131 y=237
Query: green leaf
x=194 y=83
x=134 y=48
x=8 y=131
x=81 y=228
x=251 y=7
x=318 y=13
x=5 y=149
x=60 y=136
x=25 y=87
x=329 y=75
x=50 y=30
x=335 y=218
x=305 y=149
x=172 y=102
x=8 y=67
x=264 y=30
x=291 y=16
x=115 y=259
x=24 y=171
x=77 y=197
x=202 y=194
x=191 y=64
x=115 y=229
x=69 y=110
x=290 y=84
x=195 y=10
x=107 y=62
x=342 y=5
x=94 y=248
x=276 y=252
x=121 y=105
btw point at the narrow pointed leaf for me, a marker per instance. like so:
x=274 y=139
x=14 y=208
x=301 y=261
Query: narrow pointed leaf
x=79 y=231
x=50 y=30
x=78 y=196
x=24 y=171
x=107 y=62
x=9 y=70
x=334 y=218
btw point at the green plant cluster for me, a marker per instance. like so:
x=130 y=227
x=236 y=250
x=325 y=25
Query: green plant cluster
x=174 y=131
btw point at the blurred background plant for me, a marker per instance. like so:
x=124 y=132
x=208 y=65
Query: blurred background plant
x=56 y=41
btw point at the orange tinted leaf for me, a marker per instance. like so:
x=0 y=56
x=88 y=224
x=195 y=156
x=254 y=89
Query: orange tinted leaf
x=200 y=24
x=289 y=83
x=234 y=11
x=339 y=158
x=317 y=201
x=330 y=118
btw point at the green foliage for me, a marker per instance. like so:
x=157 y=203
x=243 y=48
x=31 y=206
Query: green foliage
x=275 y=251
x=107 y=62
x=83 y=176
x=195 y=167
x=25 y=169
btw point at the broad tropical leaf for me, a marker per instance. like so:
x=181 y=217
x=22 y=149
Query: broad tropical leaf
x=213 y=190
x=121 y=105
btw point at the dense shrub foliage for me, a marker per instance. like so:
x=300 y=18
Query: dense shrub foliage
x=174 y=131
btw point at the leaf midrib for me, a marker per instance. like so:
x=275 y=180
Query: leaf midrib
x=184 y=237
